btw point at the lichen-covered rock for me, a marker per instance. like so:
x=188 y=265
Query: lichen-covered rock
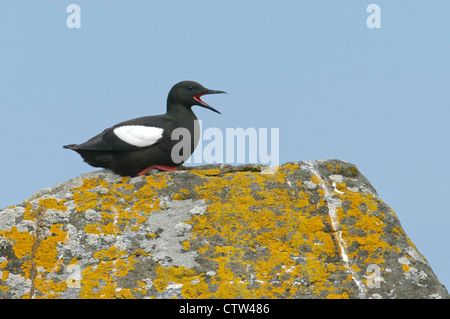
x=312 y=229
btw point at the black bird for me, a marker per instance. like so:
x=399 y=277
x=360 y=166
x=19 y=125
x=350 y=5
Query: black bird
x=136 y=146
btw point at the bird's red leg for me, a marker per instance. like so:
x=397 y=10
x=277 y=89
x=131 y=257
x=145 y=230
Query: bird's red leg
x=160 y=167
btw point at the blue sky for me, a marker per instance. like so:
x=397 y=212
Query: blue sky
x=377 y=98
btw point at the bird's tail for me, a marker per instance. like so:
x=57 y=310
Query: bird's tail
x=94 y=158
x=71 y=146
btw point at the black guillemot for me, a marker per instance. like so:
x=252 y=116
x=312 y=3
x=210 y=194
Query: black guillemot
x=136 y=146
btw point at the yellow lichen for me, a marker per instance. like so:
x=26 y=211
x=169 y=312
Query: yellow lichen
x=316 y=179
x=100 y=280
x=117 y=214
x=264 y=229
x=278 y=221
x=405 y=268
x=342 y=170
x=338 y=296
x=4 y=275
x=39 y=255
x=177 y=196
x=368 y=221
x=22 y=241
x=52 y=203
x=46 y=251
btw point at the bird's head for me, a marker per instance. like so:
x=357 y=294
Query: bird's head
x=188 y=93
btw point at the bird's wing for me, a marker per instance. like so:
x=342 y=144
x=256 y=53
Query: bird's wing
x=138 y=135
x=130 y=135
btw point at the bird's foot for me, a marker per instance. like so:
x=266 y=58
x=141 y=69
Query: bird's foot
x=160 y=167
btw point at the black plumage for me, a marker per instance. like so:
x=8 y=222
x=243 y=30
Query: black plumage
x=135 y=146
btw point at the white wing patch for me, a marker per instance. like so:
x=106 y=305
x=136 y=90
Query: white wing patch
x=139 y=135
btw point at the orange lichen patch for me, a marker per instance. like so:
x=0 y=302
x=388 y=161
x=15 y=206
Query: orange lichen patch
x=22 y=241
x=368 y=226
x=3 y=264
x=123 y=183
x=52 y=203
x=289 y=168
x=39 y=255
x=44 y=203
x=112 y=253
x=92 y=229
x=347 y=171
x=168 y=275
x=398 y=231
x=282 y=172
x=342 y=187
x=193 y=285
x=178 y=196
x=4 y=275
x=406 y=267
x=28 y=214
x=186 y=245
x=196 y=289
x=83 y=198
x=146 y=196
x=113 y=203
x=45 y=287
x=318 y=274
x=141 y=288
x=120 y=210
x=338 y=296
x=316 y=179
x=46 y=252
x=181 y=195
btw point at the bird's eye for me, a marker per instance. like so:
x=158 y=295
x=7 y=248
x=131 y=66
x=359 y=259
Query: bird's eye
x=190 y=88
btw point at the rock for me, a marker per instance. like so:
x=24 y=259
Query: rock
x=311 y=229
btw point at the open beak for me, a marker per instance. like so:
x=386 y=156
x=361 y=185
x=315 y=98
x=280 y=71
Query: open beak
x=204 y=104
